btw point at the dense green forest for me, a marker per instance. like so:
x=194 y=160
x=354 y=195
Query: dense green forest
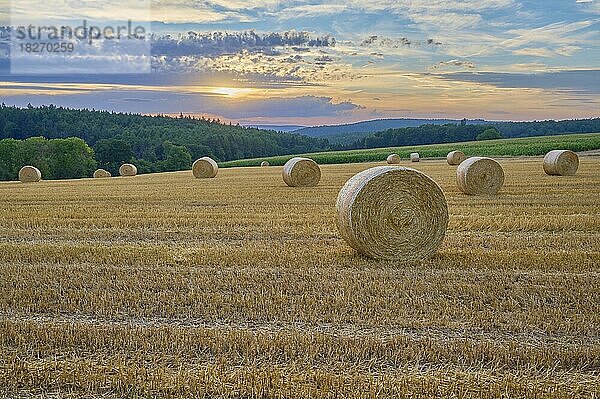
x=426 y=134
x=153 y=143
x=453 y=133
x=547 y=128
x=161 y=143
x=57 y=158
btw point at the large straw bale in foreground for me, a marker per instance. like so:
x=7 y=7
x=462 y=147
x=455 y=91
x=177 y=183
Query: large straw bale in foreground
x=480 y=176
x=101 y=173
x=30 y=174
x=392 y=212
x=393 y=159
x=128 y=170
x=455 y=157
x=561 y=163
x=301 y=172
x=265 y=163
x=205 y=168
x=414 y=157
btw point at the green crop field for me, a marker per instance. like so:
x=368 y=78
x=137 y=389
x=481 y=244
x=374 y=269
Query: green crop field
x=163 y=285
x=530 y=146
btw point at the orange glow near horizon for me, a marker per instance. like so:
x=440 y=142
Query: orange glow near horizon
x=231 y=91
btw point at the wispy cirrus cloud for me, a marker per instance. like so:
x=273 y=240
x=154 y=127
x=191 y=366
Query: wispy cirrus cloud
x=309 y=11
x=565 y=51
x=559 y=33
x=590 y=6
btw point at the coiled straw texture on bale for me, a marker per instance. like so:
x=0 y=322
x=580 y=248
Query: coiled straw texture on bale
x=301 y=172
x=455 y=157
x=265 y=163
x=128 y=169
x=392 y=212
x=393 y=159
x=561 y=163
x=101 y=173
x=205 y=168
x=480 y=176
x=414 y=157
x=30 y=174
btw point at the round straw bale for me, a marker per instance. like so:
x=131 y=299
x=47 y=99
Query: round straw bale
x=393 y=159
x=127 y=169
x=561 y=163
x=392 y=212
x=414 y=157
x=101 y=173
x=265 y=163
x=205 y=168
x=480 y=176
x=30 y=174
x=455 y=157
x=301 y=172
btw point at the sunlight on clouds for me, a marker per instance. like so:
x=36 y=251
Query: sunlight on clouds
x=56 y=11
x=310 y=10
x=389 y=65
x=185 y=11
x=5 y=12
x=534 y=52
x=379 y=93
x=526 y=67
x=8 y=88
x=565 y=51
x=423 y=95
x=231 y=91
x=448 y=21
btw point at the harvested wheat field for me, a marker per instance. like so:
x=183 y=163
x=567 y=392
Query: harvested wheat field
x=241 y=286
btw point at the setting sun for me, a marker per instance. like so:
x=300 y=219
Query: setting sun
x=231 y=91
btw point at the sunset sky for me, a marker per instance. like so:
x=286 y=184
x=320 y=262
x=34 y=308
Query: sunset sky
x=492 y=59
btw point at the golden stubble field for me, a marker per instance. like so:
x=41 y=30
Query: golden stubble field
x=165 y=285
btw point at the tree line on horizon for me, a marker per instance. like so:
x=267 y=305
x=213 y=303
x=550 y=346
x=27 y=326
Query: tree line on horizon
x=66 y=143
x=423 y=135
x=463 y=131
x=153 y=143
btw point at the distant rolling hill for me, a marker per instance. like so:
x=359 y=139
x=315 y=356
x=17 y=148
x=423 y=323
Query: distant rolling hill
x=342 y=134
x=277 y=128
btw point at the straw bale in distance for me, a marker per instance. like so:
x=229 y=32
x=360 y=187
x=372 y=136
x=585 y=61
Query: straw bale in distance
x=301 y=172
x=30 y=174
x=393 y=159
x=265 y=163
x=455 y=157
x=128 y=170
x=480 y=176
x=414 y=157
x=561 y=163
x=205 y=168
x=101 y=173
